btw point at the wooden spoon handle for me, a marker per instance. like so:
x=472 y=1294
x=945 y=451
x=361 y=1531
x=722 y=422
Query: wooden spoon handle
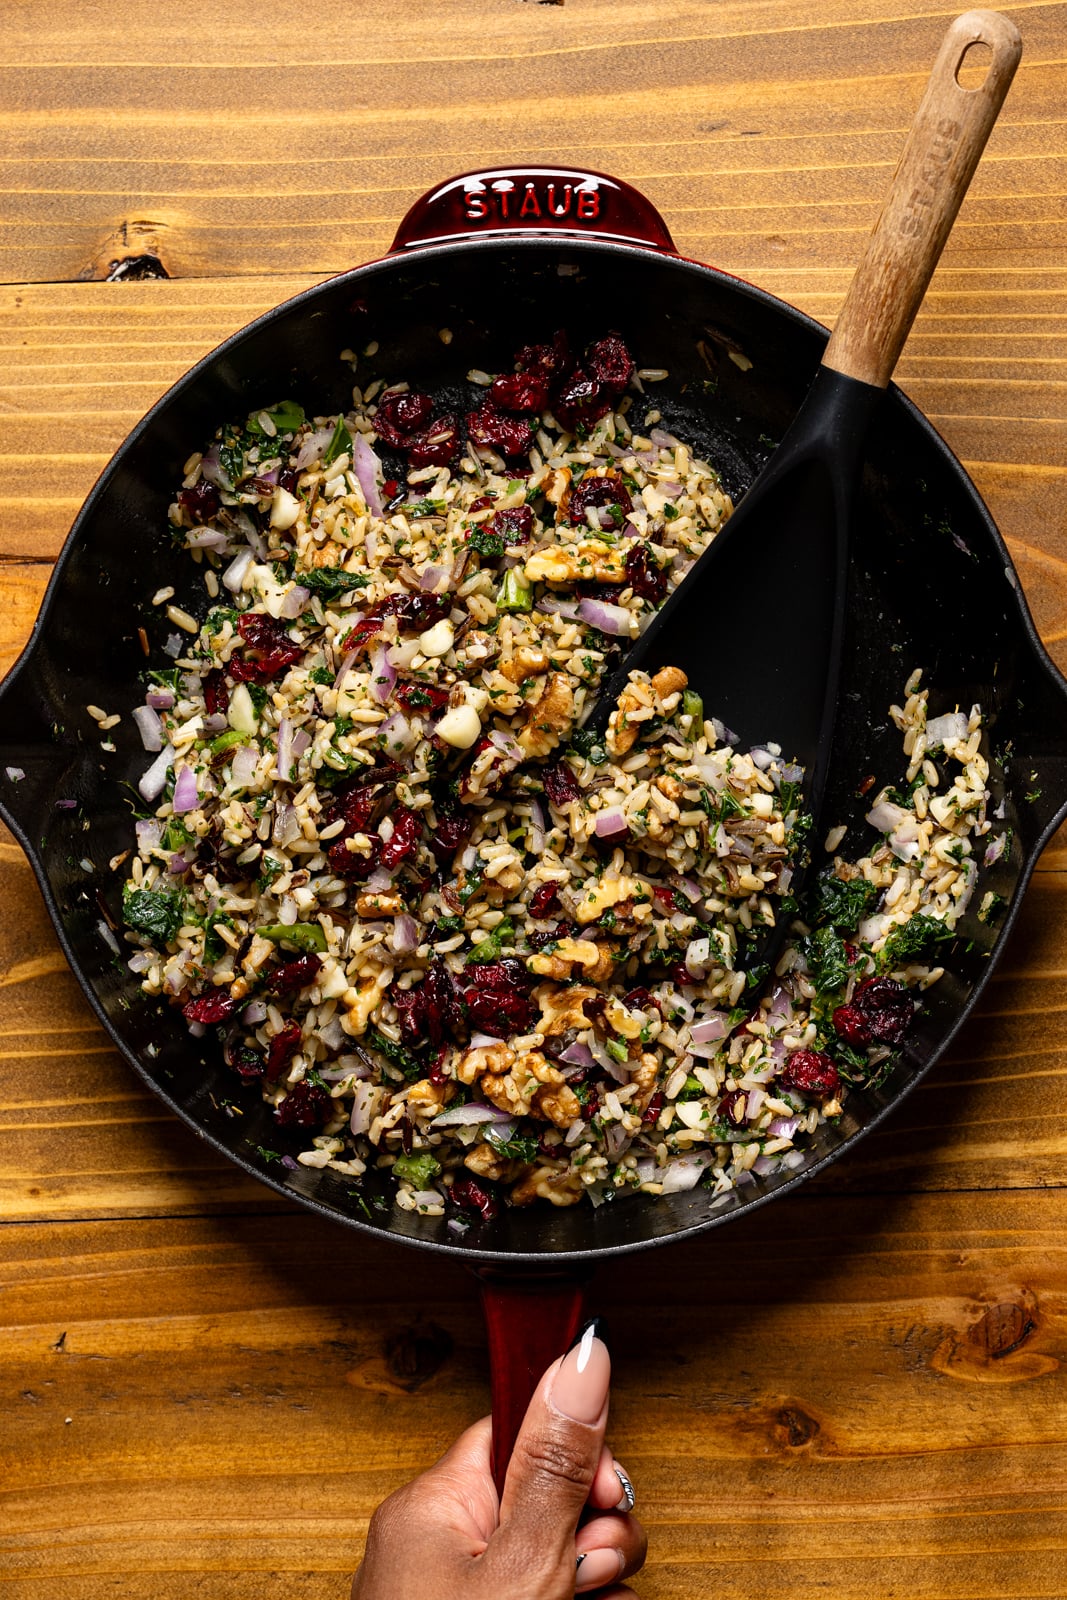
x=947 y=137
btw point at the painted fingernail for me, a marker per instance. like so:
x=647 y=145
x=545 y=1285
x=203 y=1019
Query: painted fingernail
x=629 y=1498
x=580 y=1386
x=598 y=1567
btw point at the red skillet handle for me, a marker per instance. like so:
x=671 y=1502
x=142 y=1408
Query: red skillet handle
x=530 y=1321
x=510 y=201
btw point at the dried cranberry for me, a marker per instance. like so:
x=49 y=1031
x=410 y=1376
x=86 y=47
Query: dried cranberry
x=305 y=1106
x=400 y=415
x=561 y=786
x=269 y=649
x=414 y=614
x=851 y=1025
x=554 y=358
x=654 y=1107
x=288 y=478
x=734 y=1107
x=420 y=697
x=544 y=901
x=404 y=839
x=880 y=1013
x=610 y=362
x=496 y=997
x=437 y=1073
x=201 y=501
x=681 y=975
x=496 y=430
x=520 y=391
x=209 y=1008
x=644 y=574
x=472 y=1196
x=514 y=525
x=608 y=490
x=810 y=1071
x=669 y=899
x=581 y=401
x=294 y=975
x=436 y=445
x=249 y=1063
x=282 y=1049
x=216 y=693
x=641 y=1000
x=391 y=490
x=354 y=864
x=482 y=503
x=451 y=834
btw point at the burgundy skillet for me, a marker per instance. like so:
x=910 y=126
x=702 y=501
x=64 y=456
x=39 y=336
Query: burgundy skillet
x=500 y=259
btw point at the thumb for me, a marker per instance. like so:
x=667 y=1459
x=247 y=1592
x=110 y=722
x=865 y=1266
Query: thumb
x=555 y=1459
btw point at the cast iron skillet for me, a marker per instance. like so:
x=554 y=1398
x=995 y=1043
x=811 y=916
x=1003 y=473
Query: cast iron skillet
x=500 y=259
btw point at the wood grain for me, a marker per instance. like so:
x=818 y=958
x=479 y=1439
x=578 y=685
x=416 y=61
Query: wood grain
x=878 y=1384
x=859 y=1391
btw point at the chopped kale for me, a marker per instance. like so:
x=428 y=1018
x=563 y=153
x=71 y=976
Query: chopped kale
x=914 y=938
x=395 y=1053
x=157 y=913
x=827 y=959
x=330 y=582
x=841 y=905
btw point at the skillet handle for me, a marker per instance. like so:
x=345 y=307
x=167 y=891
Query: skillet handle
x=947 y=137
x=530 y=1321
x=545 y=201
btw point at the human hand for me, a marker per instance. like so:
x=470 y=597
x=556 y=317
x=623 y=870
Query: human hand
x=447 y=1536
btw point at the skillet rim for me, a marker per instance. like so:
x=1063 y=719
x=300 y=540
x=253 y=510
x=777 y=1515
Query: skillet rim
x=554 y=1262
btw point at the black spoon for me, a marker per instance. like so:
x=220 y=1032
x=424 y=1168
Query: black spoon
x=774 y=681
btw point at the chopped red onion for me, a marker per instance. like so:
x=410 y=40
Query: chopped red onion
x=301 y=741
x=690 y=888
x=780 y=1010
x=793 y=1159
x=151 y=784
x=706 y=1052
x=366 y=466
x=405 y=936
x=723 y=734
x=537 y=826
x=313 y=447
x=294 y=602
x=349 y=659
x=172 y=646
x=613 y=620
x=215 y=723
x=610 y=823
x=141 y=961
x=671 y=489
x=382 y=675
x=470 y=1114
x=568 y=609
x=235 y=573
x=206 y=539
x=197 y=1029
x=765 y=1165
x=663 y=440
x=953 y=725
x=286 y=825
x=211 y=469
x=684 y=1172
x=243 y=766
x=616 y=1141
x=159 y=699
x=255 y=1011
x=149 y=833
x=380 y=879
x=782 y=1127
x=995 y=849
x=756 y=1098
x=364 y=1099
x=680 y=919
x=577 y=1055
x=186 y=793
x=398 y=734
x=618 y=1070
x=791 y=774
x=713 y=1025
x=431 y=576
x=885 y=816
x=178 y=864
x=761 y=758
x=498 y=1133
x=283 y=761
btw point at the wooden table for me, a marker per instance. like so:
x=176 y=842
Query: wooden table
x=860 y=1391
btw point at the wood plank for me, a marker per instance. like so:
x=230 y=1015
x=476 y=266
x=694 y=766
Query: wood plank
x=764 y=136
x=82 y=1138
x=297 y=1365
